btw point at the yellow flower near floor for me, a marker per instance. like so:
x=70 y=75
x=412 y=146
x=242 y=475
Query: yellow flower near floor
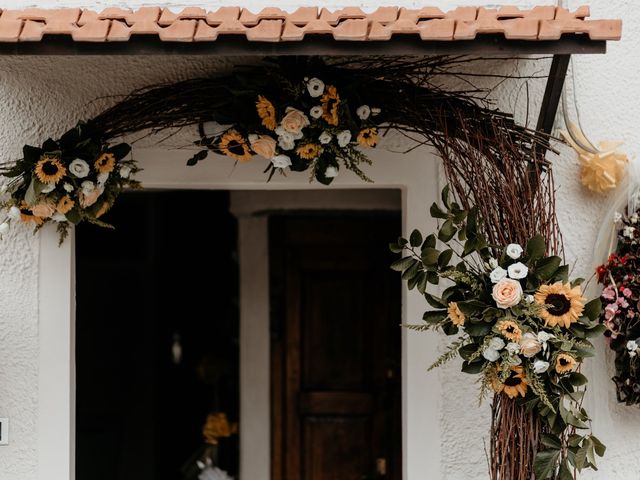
x=49 y=169
x=510 y=330
x=368 y=137
x=330 y=102
x=105 y=163
x=309 y=151
x=216 y=427
x=565 y=363
x=65 y=204
x=234 y=145
x=561 y=304
x=515 y=384
x=267 y=113
x=455 y=314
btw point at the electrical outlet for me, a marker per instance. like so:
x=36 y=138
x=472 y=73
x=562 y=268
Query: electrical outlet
x=4 y=431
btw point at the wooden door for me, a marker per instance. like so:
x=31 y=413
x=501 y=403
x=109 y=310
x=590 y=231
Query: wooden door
x=336 y=348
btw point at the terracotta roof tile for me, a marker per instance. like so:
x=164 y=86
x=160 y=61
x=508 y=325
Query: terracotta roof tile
x=194 y=24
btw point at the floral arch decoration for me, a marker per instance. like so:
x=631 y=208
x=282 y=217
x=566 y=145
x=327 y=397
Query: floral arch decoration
x=513 y=308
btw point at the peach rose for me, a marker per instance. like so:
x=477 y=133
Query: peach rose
x=529 y=345
x=507 y=293
x=294 y=121
x=44 y=209
x=263 y=145
x=90 y=198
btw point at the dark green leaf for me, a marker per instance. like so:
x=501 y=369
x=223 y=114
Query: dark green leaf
x=433 y=278
x=430 y=256
x=472 y=368
x=434 y=317
x=447 y=231
x=402 y=264
x=592 y=309
x=550 y=441
x=30 y=196
x=545 y=463
x=416 y=238
x=444 y=258
x=565 y=472
x=536 y=248
x=581 y=457
x=467 y=350
x=434 y=301
x=577 y=379
x=429 y=242
x=436 y=211
x=599 y=447
x=446 y=201
x=201 y=155
x=422 y=282
x=120 y=150
x=477 y=329
x=546 y=267
x=395 y=248
x=412 y=271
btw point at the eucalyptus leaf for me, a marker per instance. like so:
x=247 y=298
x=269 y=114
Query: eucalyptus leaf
x=415 y=239
x=430 y=256
x=447 y=231
x=444 y=258
x=436 y=211
x=402 y=264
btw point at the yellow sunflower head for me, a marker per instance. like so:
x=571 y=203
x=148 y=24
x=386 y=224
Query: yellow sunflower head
x=368 y=137
x=27 y=216
x=514 y=385
x=565 y=363
x=455 y=314
x=560 y=304
x=49 y=169
x=266 y=112
x=330 y=102
x=510 y=330
x=105 y=163
x=217 y=426
x=234 y=145
x=65 y=204
x=309 y=151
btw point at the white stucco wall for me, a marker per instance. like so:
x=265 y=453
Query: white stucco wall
x=44 y=96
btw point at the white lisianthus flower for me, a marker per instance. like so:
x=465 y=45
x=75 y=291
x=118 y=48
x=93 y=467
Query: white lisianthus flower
x=497 y=274
x=343 y=137
x=213 y=473
x=68 y=187
x=281 y=161
x=4 y=228
x=493 y=263
x=125 y=171
x=513 y=348
x=79 y=168
x=58 y=217
x=315 y=86
x=375 y=111
x=514 y=250
x=529 y=298
x=518 y=271
x=315 y=112
x=331 y=172
x=617 y=216
x=632 y=345
x=102 y=178
x=283 y=132
x=490 y=354
x=286 y=141
x=87 y=187
x=363 y=112
x=634 y=218
x=628 y=231
x=48 y=188
x=496 y=343
x=540 y=366
x=14 y=213
x=543 y=338
x=325 y=137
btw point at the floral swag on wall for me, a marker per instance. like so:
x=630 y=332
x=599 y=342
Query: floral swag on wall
x=521 y=324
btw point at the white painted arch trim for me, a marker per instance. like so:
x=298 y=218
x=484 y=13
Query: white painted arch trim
x=415 y=174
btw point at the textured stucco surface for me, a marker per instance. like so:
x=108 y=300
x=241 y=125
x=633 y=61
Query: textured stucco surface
x=44 y=96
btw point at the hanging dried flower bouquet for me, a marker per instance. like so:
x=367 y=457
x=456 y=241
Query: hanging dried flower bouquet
x=522 y=326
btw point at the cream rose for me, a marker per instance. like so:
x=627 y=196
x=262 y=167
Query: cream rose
x=507 y=293
x=294 y=121
x=529 y=345
x=44 y=209
x=263 y=145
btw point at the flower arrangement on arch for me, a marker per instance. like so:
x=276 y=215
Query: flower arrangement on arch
x=310 y=126
x=66 y=182
x=620 y=313
x=521 y=325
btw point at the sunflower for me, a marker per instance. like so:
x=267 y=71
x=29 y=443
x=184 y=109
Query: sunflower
x=266 y=112
x=368 y=137
x=233 y=145
x=510 y=330
x=561 y=304
x=330 y=101
x=515 y=384
x=216 y=427
x=309 y=151
x=27 y=215
x=565 y=363
x=49 y=169
x=105 y=163
x=104 y=208
x=455 y=314
x=65 y=204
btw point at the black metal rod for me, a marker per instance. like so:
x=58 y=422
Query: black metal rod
x=552 y=93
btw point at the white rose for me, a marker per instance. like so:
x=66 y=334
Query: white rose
x=514 y=250
x=491 y=354
x=497 y=274
x=493 y=263
x=316 y=112
x=79 y=168
x=544 y=337
x=281 y=131
x=634 y=218
x=281 y=161
x=331 y=172
x=14 y=213
x=363 y=112
x=617 y=216
x=286 y=141
x=343 y=137
x=324 y=138
x=628 y=231
x=496 y=343
x=518 y=270
x=4 y=228
x=632 y=345
x=375 y=111
x=69 y=188
x=102 y=178
x=315 y=86
x=540 y=366
x=513 y=348
x=87 y=187
x=49 y=187
x=125 y=171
